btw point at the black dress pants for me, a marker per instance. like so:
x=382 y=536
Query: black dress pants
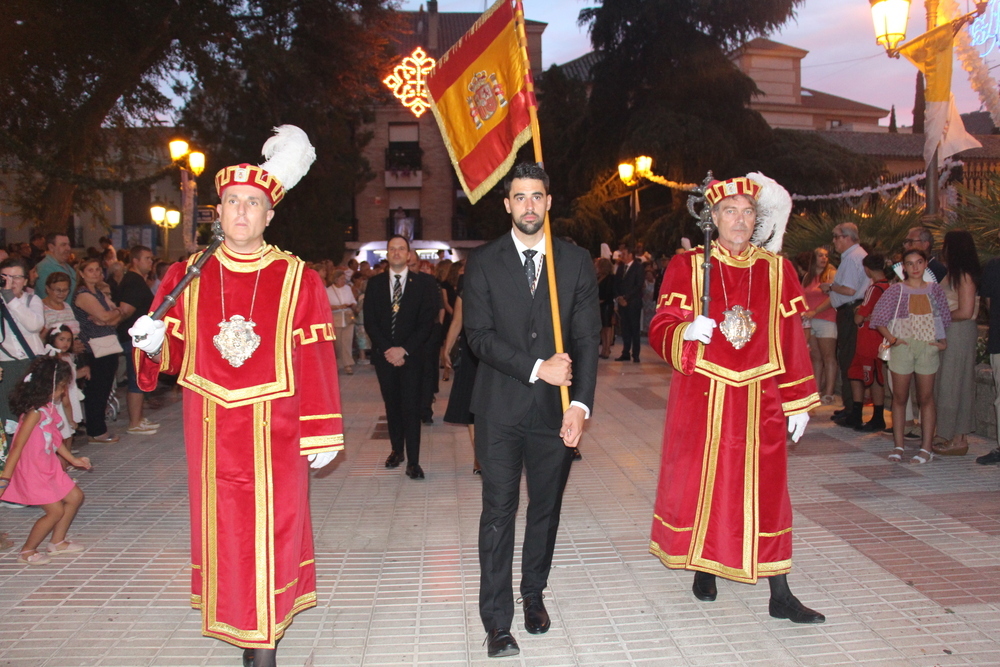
x=502 y=452
x=847 y=340
x=400 y=387
x=631 y=316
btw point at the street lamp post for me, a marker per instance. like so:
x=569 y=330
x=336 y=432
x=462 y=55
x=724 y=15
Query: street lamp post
x=195 y=164
x=889 y=18
x=631 y=174
x=166 y=219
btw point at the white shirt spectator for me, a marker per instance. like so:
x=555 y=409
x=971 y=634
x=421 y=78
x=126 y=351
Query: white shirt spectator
x=851 y=274
x=27 y=312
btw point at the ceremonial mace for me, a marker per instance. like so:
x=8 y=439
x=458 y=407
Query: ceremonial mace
x=704 y=217
x=193 y=272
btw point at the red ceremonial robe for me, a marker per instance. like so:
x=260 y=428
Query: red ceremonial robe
x=722 y=501
x=248 y=431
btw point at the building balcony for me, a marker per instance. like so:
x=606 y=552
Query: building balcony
x=404 y=179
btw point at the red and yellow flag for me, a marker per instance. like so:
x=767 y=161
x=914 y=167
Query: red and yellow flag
x=480 y=98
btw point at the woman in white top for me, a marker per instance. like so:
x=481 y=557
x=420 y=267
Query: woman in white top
x=956 y=380
x=26 y=312
x=344 y=307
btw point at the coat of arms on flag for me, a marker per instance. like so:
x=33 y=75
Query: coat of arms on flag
x=480 y=97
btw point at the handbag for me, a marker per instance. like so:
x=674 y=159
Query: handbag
x=884 y=349
x=104 y=346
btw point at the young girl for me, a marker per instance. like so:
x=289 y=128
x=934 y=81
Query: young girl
x=59 y=344
x=866 y=369
x=32 y=475
x=913 y=316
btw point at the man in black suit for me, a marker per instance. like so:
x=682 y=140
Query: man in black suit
x=628 y=287
x=399 y=313
x=519 y=418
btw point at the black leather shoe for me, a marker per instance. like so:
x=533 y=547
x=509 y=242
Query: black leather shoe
x=838 y=414
x=625 y=358
x=704 y=587
x=394 y=460
x=415 y=472
x=428 y=420
x=536 y=619
x=871 y=426
x=794 y=611
x=635 y=360
x=500 y=643
x=576 y=454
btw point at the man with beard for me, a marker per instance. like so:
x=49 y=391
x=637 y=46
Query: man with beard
x=520 y=423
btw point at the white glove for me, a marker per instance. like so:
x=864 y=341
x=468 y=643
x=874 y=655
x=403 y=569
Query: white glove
x=700 y=330
x=147 y=334
x=797 y=425
x=317 y=461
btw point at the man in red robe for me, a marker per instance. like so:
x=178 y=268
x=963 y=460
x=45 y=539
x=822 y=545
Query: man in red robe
x=722 y=506
x=251 y=341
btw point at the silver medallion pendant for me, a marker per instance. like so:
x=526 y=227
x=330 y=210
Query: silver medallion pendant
x=236 y=340
x=738 y=326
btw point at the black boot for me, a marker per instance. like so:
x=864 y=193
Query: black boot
x=853 y=418
x=876 y=423
x=785 y=605
x=704 y=587
x=261 y=657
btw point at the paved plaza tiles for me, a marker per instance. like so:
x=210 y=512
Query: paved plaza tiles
x=903 y=559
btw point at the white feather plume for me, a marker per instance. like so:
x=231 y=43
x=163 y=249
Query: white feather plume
x=774 y=205
x=288 y=155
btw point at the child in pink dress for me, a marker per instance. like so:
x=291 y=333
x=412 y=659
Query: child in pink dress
x=32 y=474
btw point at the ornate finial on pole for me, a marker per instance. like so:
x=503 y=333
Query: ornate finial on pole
x=704 y=217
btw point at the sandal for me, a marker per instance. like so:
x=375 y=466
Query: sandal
x=70 y=548
x=897 y=454
x=106 y=439
x=37 y=558
x=923 y=456
x=827 y=400
x=943 y=447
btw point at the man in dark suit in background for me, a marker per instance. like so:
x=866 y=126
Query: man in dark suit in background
x=628 y=289
x=399 y=313
x=519 y=418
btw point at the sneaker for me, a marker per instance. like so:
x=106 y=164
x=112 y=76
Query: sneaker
x=146 y=422
x=989 y=459
x=142 y=429
x=106 y=439
x=12 y=506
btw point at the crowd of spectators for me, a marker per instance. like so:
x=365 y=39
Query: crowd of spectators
x=78 y=308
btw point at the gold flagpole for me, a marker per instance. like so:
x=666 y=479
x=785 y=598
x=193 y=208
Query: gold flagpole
x=536 y=140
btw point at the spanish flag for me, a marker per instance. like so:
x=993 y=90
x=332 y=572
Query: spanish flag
x=944 y=130
x=480 y=98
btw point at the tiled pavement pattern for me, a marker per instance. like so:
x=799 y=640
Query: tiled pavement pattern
x=904 y=560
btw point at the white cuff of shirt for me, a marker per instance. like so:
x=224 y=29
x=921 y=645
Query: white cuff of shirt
x=534 y=372
x=534 y=376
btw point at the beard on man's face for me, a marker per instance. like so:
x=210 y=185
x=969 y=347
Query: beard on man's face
x=530 y=227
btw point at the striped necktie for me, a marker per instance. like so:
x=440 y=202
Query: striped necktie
x=397 y=294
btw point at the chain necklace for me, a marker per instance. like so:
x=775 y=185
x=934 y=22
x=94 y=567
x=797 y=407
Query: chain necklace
x=738 y=326
x=236 y=340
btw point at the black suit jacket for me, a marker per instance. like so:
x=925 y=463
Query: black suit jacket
x=509 y=330
x=415 y=319
x=629 y=284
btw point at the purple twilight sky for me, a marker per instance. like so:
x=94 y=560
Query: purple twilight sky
x=843 y=57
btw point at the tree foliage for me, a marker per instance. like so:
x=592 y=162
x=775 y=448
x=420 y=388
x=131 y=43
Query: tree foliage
x=315 y=65
x=75 y=73
x=76 y=76
x=664 y=84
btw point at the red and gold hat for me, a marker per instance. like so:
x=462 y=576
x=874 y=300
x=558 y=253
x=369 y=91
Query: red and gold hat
x=288 y=158
x=250 y=174
x=741 y=185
